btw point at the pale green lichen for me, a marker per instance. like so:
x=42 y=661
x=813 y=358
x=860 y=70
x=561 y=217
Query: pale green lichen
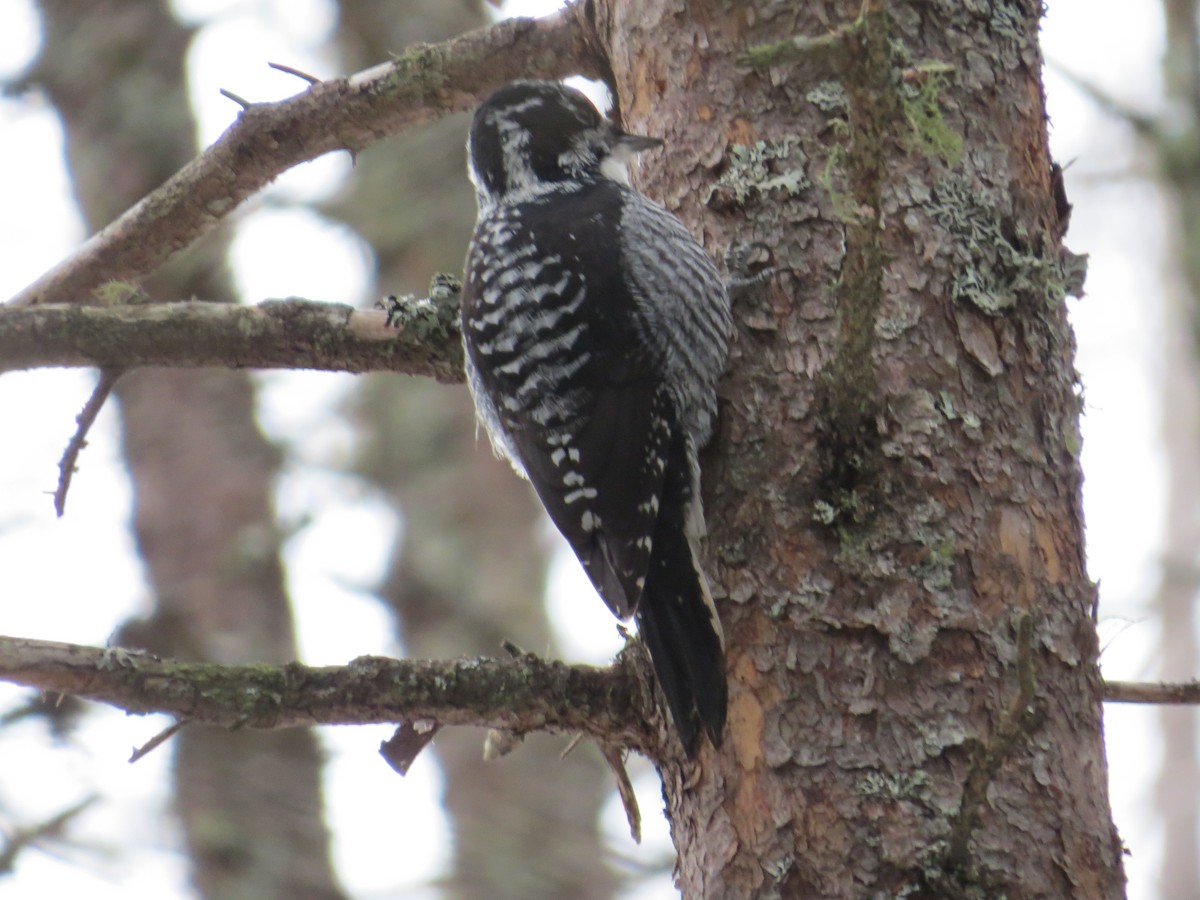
x=935 y=571
x=119 y=293
x=823 y=512
x=754 y=170
x=994 y=271
x=428 y=317
x=894 y=786
x=829 y=97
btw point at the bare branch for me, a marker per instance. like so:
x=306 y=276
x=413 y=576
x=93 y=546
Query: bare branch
x=85 y=419
x=427 y=82
x=293 y=334
x=528 y=694
x=1152 y=692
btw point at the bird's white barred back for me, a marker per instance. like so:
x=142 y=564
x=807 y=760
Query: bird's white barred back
x=595 y=330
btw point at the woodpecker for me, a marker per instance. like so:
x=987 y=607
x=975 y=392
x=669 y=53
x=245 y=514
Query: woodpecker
x=595 y=329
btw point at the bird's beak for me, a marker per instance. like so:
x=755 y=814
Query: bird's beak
x=635 y=143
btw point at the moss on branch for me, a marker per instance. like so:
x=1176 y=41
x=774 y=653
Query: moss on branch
x=293 y=333
x=520 y=695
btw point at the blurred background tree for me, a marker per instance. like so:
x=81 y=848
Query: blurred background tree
x=249 y=805
x=471 y=571
x=250 y=809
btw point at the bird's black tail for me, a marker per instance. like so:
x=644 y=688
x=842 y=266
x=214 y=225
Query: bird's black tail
x=679 y=624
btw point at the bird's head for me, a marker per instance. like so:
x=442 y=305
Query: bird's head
x=532 y=134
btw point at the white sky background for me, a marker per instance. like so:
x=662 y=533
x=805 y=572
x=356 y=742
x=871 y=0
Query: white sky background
x=74 y=579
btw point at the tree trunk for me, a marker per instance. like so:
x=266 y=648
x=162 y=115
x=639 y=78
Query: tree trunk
x=249 y=803
x=894 y=495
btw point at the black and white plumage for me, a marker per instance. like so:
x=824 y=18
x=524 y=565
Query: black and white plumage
x=595 y=330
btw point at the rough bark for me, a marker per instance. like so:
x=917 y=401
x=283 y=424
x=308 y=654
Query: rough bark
x=894 y=507
x=249 y=805
x=525 y=826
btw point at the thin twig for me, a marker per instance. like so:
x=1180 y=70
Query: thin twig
x=51 y=828
x=633 y=815
x=66 y=465
x=311 y=79
x=158 y=740
x=240 y=101
x=805 y=48
x=1183 y=693
x=571 y=745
